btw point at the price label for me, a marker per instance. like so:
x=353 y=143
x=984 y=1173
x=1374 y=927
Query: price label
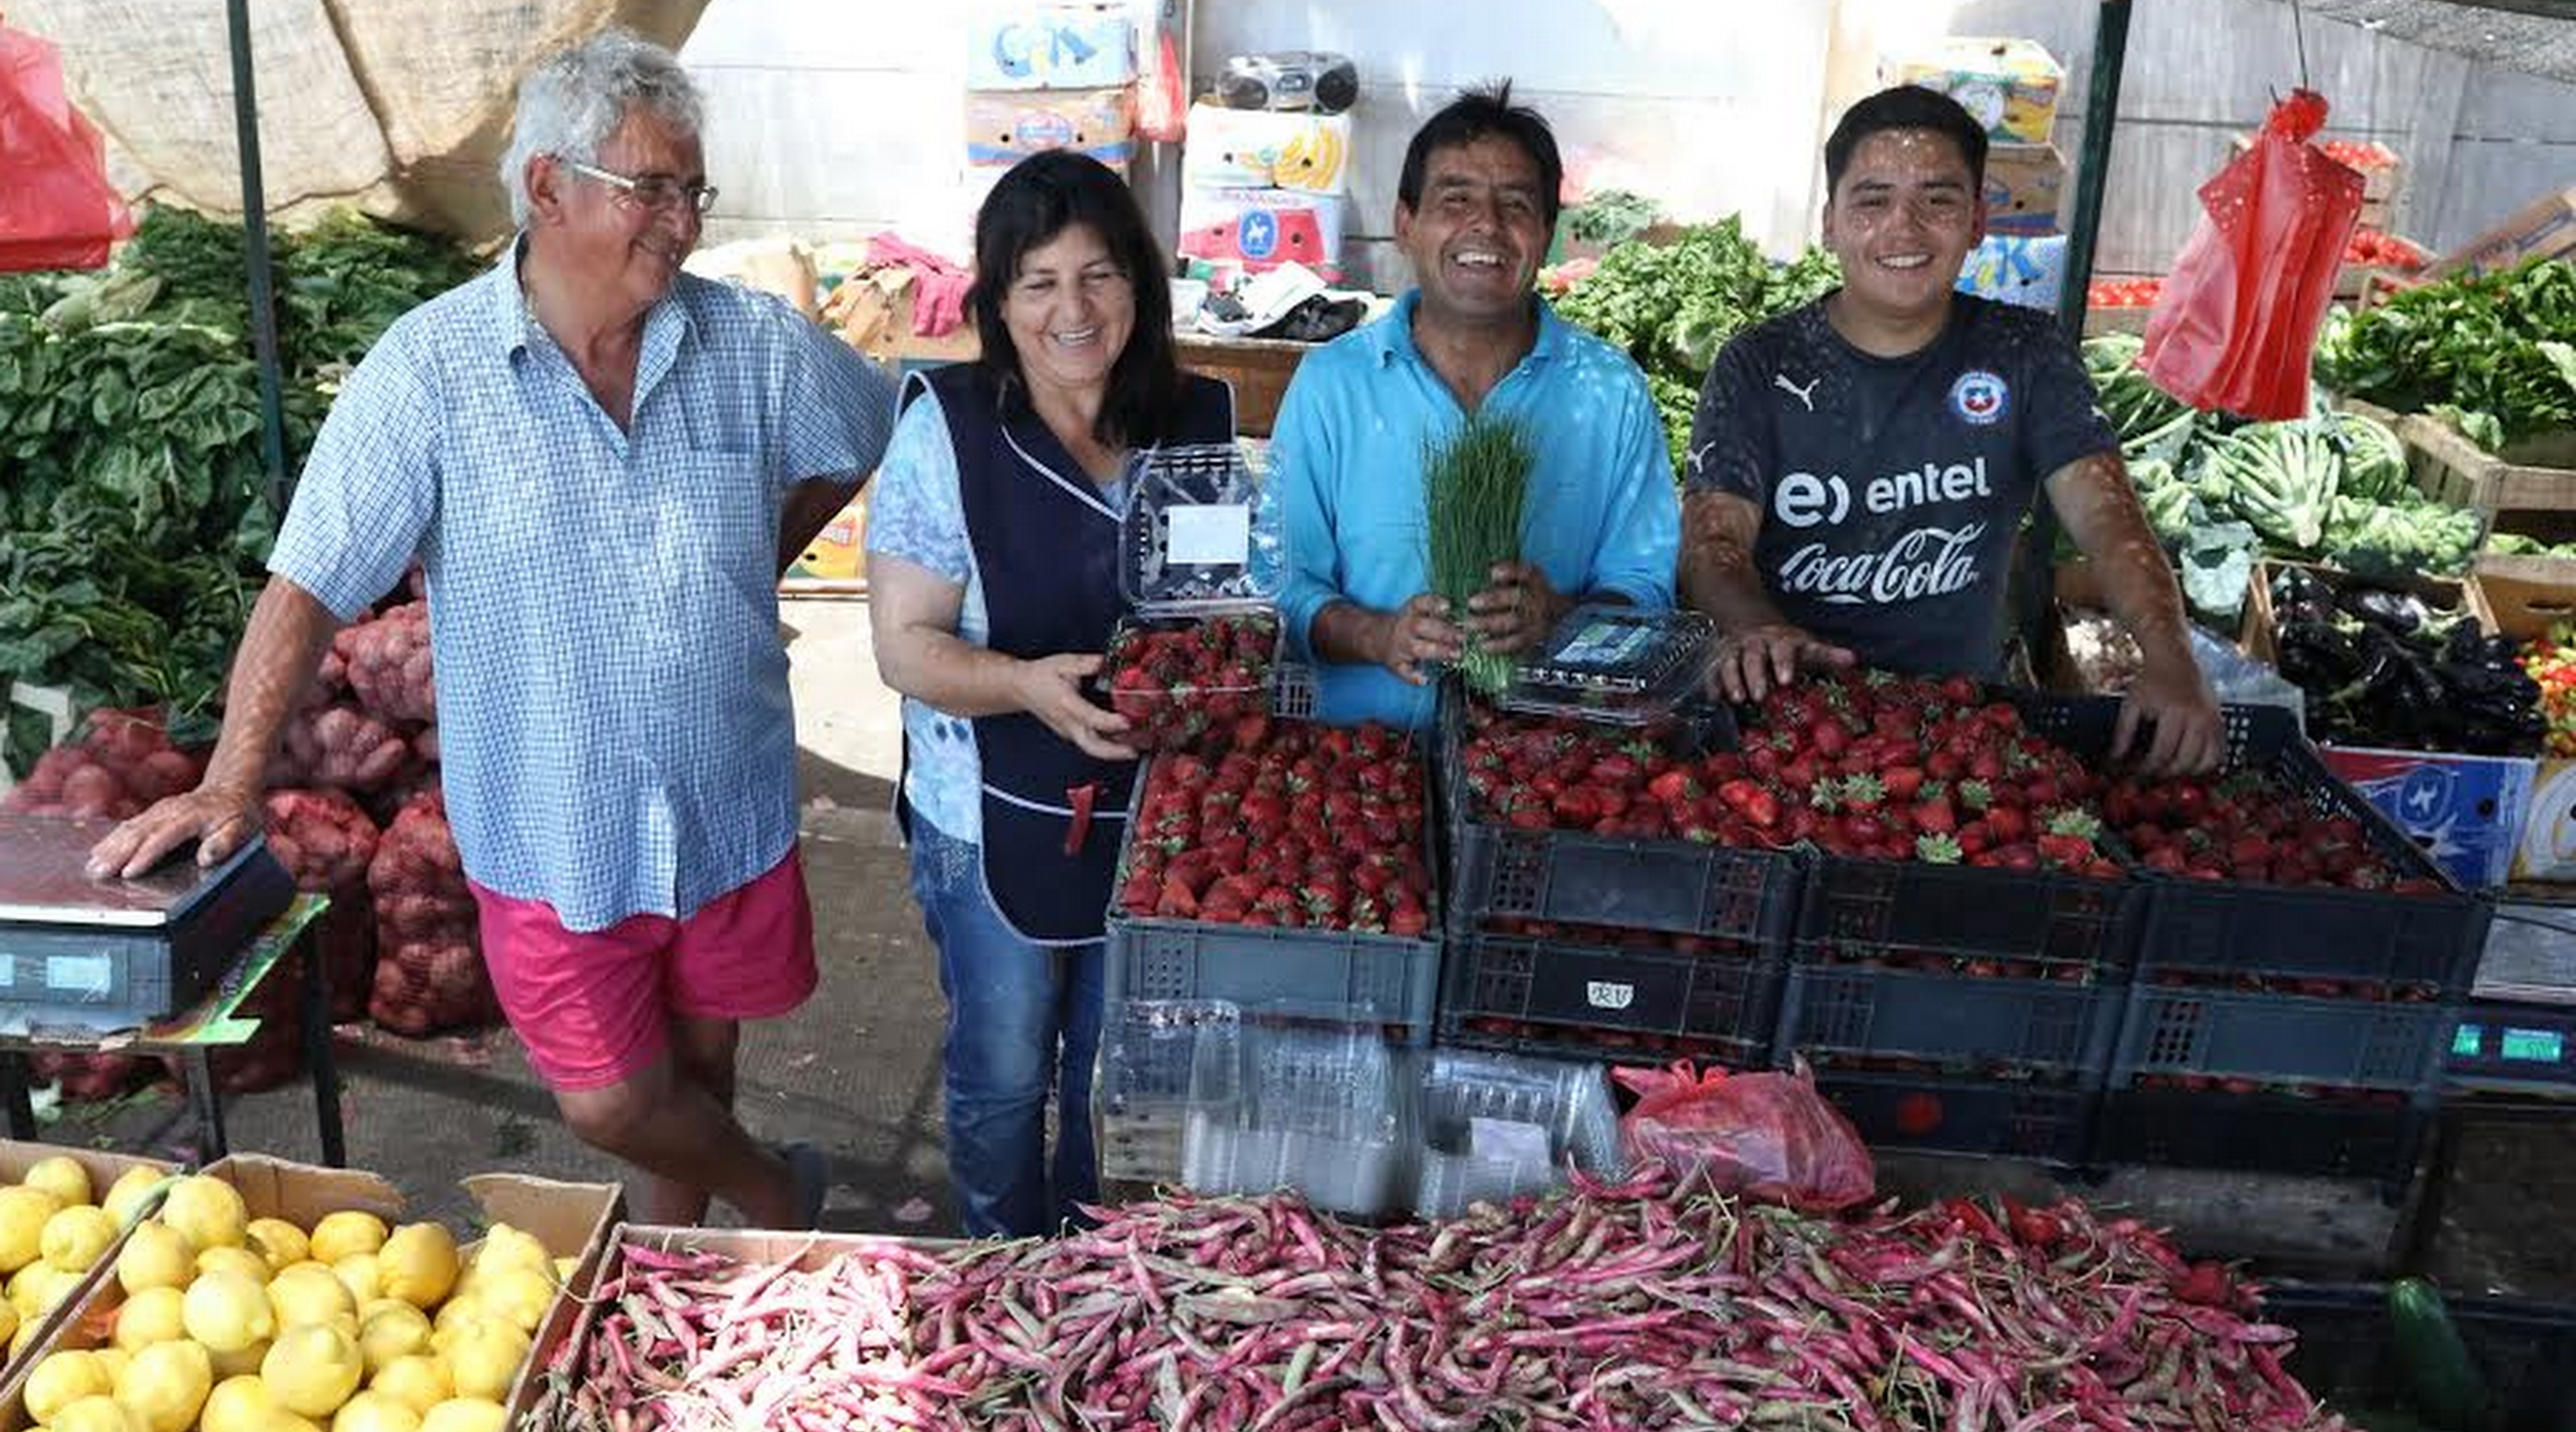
x=1505 y=1139
x=1211 y=534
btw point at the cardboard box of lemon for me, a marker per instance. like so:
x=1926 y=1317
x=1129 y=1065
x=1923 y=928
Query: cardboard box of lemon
x=268 y=1296
x=63 y=1214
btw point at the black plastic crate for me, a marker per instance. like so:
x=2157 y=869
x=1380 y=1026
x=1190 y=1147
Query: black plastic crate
x=2378 y=1136
x=2355 y=1043
x=1500 y=872
x=2062 y=1030
x=1987 y=1118
x=2513 y=1048
x=1596 y=1000
x=2228 y=928
x=1859 y=910
x=2346 y=1357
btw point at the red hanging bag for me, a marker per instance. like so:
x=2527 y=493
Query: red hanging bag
x=57 y=209
x=2237 y=319
x=1767 y=1136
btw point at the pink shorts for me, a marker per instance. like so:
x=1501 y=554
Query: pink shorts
x=594 y=1009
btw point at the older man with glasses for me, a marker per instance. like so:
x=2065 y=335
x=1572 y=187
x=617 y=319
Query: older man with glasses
x=603 y=464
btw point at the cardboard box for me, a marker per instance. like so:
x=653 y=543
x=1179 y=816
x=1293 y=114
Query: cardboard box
x=2024 y=183
x=1257 y=148
x=104 y=1169
x=2466 y=812
x=1253 y=230
x=802 y=1252
x=2548 y=848
x=570 y=1219
x=2018 y=269
x=1004 y=127
x=2544 y=228
x=874 y=313
x=2009 y=85
x=1032 y=47
x=838 y=555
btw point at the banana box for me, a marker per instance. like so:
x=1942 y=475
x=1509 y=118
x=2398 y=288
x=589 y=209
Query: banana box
x=1255 y=230
x=1033 y=47
x=1004 y=127
x=1260 y=148
x=2009 y=85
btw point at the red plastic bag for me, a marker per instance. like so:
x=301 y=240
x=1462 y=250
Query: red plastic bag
x=2238 y=317
x=57 y=210
x=1766 y=1136
x=1163 y=94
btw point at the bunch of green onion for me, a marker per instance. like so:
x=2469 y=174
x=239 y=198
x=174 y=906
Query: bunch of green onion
x=1474 y=490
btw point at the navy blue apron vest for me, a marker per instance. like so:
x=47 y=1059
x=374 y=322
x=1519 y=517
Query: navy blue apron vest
x=1046 y=548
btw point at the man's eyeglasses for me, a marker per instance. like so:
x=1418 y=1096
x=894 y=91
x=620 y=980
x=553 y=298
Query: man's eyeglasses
x=658 y=192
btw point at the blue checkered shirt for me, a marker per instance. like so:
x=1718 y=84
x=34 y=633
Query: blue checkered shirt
x=614 y=725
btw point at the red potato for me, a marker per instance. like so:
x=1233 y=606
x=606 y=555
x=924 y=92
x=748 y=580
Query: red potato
x=429 y=974
x=389 y=664
x=344 y=746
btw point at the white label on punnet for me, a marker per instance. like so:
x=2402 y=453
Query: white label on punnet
x=1212 y=534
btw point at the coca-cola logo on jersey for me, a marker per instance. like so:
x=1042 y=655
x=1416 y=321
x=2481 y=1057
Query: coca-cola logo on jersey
x=1932 y=560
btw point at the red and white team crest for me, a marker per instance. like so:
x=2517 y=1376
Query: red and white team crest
x=1980 y=398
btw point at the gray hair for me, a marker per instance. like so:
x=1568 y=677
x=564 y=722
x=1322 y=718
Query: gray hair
x=573 y=101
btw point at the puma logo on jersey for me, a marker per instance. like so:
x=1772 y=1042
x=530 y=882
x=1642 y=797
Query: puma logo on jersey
x=1699 y=458
x=1806 y=396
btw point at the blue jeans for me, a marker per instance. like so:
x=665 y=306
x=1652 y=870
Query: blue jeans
x=1021 y=1018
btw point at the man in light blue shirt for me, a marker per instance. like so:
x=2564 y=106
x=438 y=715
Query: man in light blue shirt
x=1475 y=210
x=603 y=464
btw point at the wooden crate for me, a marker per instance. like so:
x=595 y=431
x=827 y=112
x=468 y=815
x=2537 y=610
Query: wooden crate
x=2455 y=470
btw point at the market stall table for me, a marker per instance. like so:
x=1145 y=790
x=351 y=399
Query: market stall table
x=93 y=967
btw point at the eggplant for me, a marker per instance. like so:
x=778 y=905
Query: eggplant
x=2401 y=612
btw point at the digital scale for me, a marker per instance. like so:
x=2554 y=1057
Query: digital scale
x=109 y=954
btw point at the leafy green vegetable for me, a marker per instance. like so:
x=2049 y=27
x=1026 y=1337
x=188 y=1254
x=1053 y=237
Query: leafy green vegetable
x=2378 y=539
x=2374 y=459
x=2490 y=349
x=1672 y=306
x=1613 y=216
x=135 y=520
x=2281 y=478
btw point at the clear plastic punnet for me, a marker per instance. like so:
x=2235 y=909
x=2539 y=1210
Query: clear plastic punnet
x=1495 y=1126
x=1147 y=1062
x=1617 y=664
x=1302 y=1107
x=1203 y=557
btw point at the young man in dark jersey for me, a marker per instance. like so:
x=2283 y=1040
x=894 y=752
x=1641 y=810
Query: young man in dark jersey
x=1860 y=467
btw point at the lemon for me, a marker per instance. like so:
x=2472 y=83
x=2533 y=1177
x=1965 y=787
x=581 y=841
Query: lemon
x=78 y=1237
x=517 y=1297
x=155 y=1315
x=228 y=1312
x=400 y=1330
x=113 y=1359
x=244 y=1363
x=156 y=1256
x=312 y=1370
x=483 y=1357
x=23 y=1212
x=349 y=1231
x=8 y=1324
x=60 y=1176
x=506 y=1247
x=36 y=1288
x=466 y=1414
x=418 y=1264
x=463 y=1308
x=234 y=1260
x=278 y=1241
x=362 y=1274
x=238 y=1404
x=132 y=1190
x=25 y=1336
x=208 y=1210
x=63 y=1379
x=96 y=1413
x=375 y=1412
x=417 y=1382
x=166 y=1384
x=308 y=1294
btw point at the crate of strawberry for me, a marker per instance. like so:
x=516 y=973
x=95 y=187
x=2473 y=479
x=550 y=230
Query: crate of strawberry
x=1202 y=560
x=1591 y=993
x=1955 y=828
x=1178 y=678
x=2275 y=877
x=1287 y=870
x=1650 y=827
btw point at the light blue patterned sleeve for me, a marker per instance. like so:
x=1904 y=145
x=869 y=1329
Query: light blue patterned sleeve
x=370 y=485
x=839 y=405
x=916 y=511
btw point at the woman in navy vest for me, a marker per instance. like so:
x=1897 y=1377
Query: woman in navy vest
x=992 y=588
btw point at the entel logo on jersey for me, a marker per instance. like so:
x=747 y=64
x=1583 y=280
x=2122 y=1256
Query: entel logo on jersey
x=1980 y=398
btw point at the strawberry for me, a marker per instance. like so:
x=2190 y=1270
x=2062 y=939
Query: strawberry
x=1937 y=849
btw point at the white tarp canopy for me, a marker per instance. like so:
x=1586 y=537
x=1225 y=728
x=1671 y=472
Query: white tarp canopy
x=2536 y=37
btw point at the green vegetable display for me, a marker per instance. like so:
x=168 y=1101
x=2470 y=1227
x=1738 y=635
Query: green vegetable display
x=1672 y=306
x=2378 y=539
x=2494 y=352
x=2281 y=477
x=136 y=520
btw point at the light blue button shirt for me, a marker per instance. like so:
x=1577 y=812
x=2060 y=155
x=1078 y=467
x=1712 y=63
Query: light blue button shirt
x=614 y=724
x=1348 y=448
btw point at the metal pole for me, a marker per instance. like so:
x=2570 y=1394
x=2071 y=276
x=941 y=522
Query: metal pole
x=263 y=296
x=2093 y=168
